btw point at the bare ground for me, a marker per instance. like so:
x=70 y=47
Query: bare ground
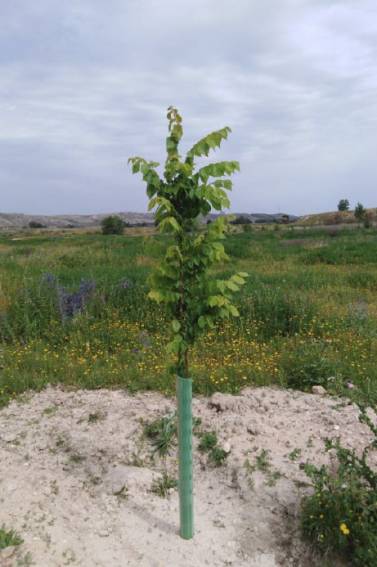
x=76 y=475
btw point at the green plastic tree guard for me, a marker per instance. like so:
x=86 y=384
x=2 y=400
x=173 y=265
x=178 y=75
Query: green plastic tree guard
x=184 y=399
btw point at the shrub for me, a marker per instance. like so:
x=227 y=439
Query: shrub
x=343 y=205
x=307 y=366
x=360 y=212
x=112 y=225
x=35 y=224
x=341 y=515
x=241 y=220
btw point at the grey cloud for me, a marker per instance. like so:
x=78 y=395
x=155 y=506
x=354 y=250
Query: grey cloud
x=84 y=85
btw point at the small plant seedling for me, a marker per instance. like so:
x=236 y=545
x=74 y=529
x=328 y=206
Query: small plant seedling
x=162 y=432
x=95 y=416
x=217 y=456
x=273 y=477
x=262 y=461
x=161 y=486
x=249 y=469
x=51 y=410
x=209 y=444
x=262 y=464
x=25 y=561
x=295 y=454
x=9 y=538
x=208 y=441
x=76 y=458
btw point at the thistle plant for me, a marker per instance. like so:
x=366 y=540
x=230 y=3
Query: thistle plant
x=194 y=297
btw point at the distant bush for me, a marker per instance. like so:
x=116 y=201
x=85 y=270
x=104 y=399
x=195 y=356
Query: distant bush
x=112 y=225
x=241 y=220
x=341 y=515
x=308 y=365
x=368 y=219
x=360 y=212
x=344 y=205
x=35 y=224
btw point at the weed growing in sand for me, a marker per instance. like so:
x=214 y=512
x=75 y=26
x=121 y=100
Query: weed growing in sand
x=9 y=538
x=163 y=485
x=341 y=515
x=209 y=444
x=162 y=433
x=217 y=456
x=25 y=561
x=51 y=410
x=95 y=416
x=208 y=441
x=295 y=454
x=263 y=465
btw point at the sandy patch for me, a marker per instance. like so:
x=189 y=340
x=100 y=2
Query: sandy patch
x=76 y=474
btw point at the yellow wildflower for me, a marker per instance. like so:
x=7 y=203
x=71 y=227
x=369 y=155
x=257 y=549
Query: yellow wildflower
x=344 y=529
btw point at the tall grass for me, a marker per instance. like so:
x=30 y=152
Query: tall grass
x=309 y=309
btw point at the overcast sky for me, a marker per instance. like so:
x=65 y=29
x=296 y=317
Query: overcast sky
x=84 y=84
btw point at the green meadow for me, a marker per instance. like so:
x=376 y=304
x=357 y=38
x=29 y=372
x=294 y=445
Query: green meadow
x=74 y=311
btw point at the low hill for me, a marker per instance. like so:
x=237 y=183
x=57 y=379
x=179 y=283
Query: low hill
x=18 y=221
x=334 y=217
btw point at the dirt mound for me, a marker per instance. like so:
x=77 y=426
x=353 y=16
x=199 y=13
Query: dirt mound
x=76 y=474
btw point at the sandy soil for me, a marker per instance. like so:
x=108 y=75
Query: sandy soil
x=76 y=474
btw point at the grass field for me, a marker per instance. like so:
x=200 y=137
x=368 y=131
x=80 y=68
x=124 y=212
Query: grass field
x=73 y=310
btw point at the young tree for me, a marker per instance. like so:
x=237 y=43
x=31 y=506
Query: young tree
x=360 y=212
x=184 y=282
x=112 y=225
x=344 y=205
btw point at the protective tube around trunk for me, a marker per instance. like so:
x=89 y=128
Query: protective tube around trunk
x=184 y=399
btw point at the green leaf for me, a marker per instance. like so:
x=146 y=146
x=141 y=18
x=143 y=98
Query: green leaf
x=175 y=325
x=232 y=286
x=233 y=310
x=169 y=224
x=211 y=141
x=156 y=296
x=201 y=322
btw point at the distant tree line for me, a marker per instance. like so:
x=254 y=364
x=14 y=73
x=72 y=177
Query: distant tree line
x=361 y=214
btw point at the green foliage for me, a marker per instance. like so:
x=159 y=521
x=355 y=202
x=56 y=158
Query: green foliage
x=163 y=485
x=308 y=365
x=118 y=341
x=209 y=444
x=162 y=433
x=9 y=538
x=343 y=205
x=263 y=465
x=360 y=212
x=341 y=515
x=217 y=456
x=112 y=225
x=194 y=298
x=208 y=441
x=278 y=312
x=36 y=224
